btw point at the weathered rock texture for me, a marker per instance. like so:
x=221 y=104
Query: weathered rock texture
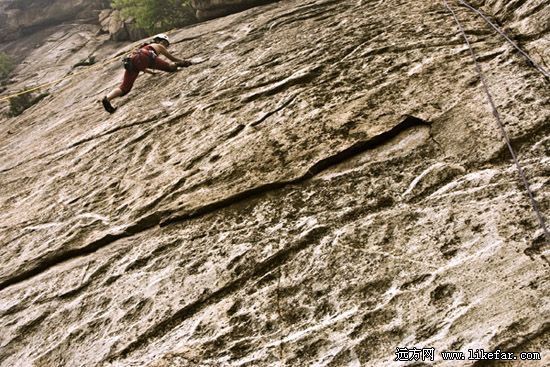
x=329 y=185
x=120 y=28
x=23 y=17
x=208 y=9
x=27 y=25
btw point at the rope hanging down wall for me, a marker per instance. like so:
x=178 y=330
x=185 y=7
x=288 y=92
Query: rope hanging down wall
x=5 y=98
x=529 y=58
x=521 y=173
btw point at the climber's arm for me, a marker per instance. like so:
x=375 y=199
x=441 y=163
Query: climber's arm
x=163 y=51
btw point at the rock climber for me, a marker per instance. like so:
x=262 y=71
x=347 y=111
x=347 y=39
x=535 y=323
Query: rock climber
x=144 y=59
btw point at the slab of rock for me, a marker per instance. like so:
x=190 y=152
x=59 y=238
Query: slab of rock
x=209 y=9
x=121 y=28
x=327 y=185
x=24 y=17
x=26 y=26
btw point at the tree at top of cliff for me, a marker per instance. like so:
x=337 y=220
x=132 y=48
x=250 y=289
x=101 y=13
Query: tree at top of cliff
x=157 y=15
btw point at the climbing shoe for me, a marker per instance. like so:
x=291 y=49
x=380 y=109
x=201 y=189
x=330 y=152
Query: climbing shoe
x=107 y=105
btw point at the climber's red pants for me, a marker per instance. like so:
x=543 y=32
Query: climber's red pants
x=131 y=76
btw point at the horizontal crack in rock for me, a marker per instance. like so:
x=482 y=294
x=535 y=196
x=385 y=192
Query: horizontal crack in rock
x=350 y=152
x=300 y=77
x=48 y=262
x=154 y=219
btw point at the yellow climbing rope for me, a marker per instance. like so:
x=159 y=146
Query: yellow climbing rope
x=49 y=84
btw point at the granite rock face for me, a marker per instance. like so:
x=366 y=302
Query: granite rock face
x=119 y=27
x=28 y=25
x=325 y=185
x=208 y=9
x=22 y=17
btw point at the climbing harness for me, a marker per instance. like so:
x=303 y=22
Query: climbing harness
x=134 y=60
x=127 y=62
x=501 y=125
x=529 y=58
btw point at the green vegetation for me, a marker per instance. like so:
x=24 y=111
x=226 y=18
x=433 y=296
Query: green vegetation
x=18 y=104
x=157 y=15
x=6 y=66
